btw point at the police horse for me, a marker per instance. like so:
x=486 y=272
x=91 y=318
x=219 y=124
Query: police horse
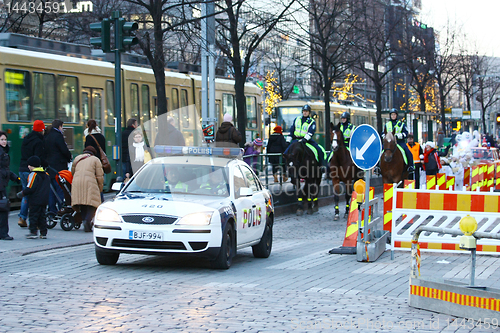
x=392 y=163
x=302 y=164
x=342 y=169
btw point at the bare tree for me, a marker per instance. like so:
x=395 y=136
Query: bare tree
x=487 y=81
x=329 y=35
x=240 y=30
x=446 y=69
x=11 y=20
x=468 y=63
x=377 y=39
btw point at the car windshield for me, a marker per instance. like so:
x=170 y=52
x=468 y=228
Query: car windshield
x=484 y=154
x=180 y=179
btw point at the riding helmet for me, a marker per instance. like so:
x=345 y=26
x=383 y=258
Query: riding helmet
x=393 y=111
x=306 y=107
x=347 y=116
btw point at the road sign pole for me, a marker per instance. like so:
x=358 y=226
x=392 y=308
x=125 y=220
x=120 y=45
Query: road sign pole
x=367 y=203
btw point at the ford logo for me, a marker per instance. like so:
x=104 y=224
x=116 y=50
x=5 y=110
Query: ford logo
x=148 y=219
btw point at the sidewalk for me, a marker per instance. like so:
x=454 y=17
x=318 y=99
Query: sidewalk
x=56 y=238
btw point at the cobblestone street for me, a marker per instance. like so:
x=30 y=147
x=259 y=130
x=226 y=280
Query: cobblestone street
x=300 y=288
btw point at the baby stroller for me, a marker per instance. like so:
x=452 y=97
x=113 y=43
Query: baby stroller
x=66 y=216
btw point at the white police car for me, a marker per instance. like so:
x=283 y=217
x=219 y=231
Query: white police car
x=187 y=204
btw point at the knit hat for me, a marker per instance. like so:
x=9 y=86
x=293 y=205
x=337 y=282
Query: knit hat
x=91 y=150
x=430 y=144
x=228 y=118
x=34 y=161
x=278 y=129
x=38 y=126
x=257 y=142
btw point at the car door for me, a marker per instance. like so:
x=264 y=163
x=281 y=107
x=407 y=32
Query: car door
x=257 y=213
x=243 y=205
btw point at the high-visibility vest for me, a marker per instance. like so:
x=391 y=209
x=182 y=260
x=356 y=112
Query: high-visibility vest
x=398 y=127
x=302 y=129
x=346 y=131
x=415 y=151
x=179 y=187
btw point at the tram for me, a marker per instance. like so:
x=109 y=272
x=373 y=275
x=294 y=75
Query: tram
x=36 y=84
x=287 y=111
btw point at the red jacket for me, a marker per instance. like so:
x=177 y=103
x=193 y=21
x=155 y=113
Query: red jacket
x=431 y=160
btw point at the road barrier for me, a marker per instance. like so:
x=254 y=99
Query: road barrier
x=436 y=208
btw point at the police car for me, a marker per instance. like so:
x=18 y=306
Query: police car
x=193 y=201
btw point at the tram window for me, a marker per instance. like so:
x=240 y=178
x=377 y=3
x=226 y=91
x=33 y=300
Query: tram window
x=146 y=109
x=251 y=112
x=134 y=102
x=228 y=105
x=67 y=98
x=320 y=120
x=44 y=96
x=110 y=102
x=17 y=92
x=97 y=105
x=185 y=109
x=85 y=106
x=175 y=99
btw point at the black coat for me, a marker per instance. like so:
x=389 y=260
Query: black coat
x=57 y=152
x=227 y=135
x=276 y=144
x=91 y=142
x=38 y=188
x=125 y=134
x=32 y=146
x=169 y=136
x=5 y=173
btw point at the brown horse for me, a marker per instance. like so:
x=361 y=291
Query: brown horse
x=392 y=164
x=342 y=169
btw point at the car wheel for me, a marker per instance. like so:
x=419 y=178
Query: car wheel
x=263 y=249
x=106 y=258
x=51 y=220
x=67 y=222
x=225 y=257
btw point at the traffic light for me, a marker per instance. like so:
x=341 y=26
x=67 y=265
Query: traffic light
x=498 y=118
x=127 y=38
x=104 y=41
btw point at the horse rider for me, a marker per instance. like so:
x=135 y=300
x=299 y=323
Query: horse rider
x=346 y=127
x=401 y=133
x=303 y=129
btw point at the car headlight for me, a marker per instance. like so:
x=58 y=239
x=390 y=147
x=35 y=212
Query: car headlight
x=106 y=214
x=202 y=218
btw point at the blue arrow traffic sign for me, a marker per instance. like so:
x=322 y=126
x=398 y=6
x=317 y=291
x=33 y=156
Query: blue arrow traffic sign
x=365 y=146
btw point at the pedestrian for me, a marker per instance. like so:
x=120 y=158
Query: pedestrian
x=416 y=151
x=38 y=190
x=86 y=188
x=432 y=163
x=440 y=138
x=252 y=151
x=58 y=156
x=32 y=145
x=5 y=176
x=95 y=133
x=168 y=135
x=227 y=135
x=139 y=151
x=277 y=144
x=126 y=165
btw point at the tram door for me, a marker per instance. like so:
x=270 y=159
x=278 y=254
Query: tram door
x=92 y=105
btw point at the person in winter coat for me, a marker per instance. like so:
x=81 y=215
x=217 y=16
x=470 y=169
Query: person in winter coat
x=253 y=150
x=38 y=190
x=277 y=144
x=227 y=135
x=32 y=145
x=93 y=129
x=432 y=163
x=168 y=135
x=58 y=157
x=5 y=176
x=126 y=165
x=86 y=188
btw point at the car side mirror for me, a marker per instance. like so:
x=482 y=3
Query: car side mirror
x=245 y=191
x=117 y=186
